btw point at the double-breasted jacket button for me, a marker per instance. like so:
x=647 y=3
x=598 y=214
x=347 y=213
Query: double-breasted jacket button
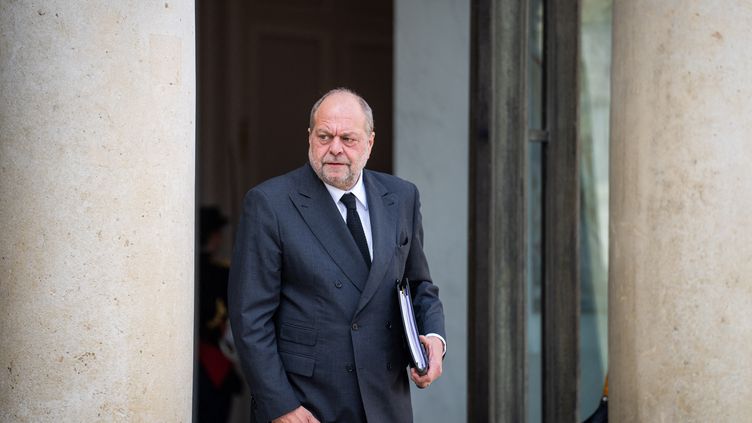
x=349 y=368
x=338 y=284
x=389 y=365
x=355 y=326
x=389 y=324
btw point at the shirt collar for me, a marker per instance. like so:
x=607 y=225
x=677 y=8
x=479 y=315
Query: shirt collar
x=359 y=190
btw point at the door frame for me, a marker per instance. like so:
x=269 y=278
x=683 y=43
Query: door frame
x=499 y=139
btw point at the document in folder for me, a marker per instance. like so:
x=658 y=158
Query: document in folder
x=418 y=358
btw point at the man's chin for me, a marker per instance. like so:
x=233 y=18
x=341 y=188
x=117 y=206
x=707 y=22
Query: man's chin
x=342 y=182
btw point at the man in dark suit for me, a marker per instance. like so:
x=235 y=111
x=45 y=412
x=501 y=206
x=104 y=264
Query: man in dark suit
x=312 y=295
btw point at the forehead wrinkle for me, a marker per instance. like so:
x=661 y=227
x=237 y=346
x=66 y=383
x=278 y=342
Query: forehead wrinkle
x=343 y=109
x=336 y=127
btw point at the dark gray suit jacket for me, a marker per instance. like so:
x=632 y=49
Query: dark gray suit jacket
x=313 y=326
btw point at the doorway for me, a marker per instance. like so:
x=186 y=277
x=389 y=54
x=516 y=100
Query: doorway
x=261 y=64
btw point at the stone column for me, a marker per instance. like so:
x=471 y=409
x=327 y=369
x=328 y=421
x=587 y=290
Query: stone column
x=680 y=331
x=97 y=105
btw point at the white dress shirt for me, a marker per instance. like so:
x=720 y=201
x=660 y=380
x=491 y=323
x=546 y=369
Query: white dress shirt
x=359 y=190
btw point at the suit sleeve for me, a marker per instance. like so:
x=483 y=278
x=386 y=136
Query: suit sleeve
x=253 y=297
x=429 y=312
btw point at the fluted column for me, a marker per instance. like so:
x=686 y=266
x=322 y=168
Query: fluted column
x=680 y=332
x=97 y=212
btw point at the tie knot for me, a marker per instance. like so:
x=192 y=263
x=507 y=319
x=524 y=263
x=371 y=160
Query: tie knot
x=348 y=200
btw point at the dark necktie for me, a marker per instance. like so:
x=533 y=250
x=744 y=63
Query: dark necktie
x=355 y=227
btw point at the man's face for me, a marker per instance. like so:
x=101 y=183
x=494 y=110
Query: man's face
x=338 y=145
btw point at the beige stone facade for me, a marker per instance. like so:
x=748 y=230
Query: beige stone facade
x=681 y=192
x=97 y=185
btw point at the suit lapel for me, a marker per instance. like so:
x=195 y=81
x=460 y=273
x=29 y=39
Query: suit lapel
x=321 y=215
x=382 y=208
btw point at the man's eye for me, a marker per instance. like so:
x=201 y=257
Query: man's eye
x=324 y=137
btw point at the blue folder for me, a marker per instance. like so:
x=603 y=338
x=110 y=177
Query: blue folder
x=418 y=357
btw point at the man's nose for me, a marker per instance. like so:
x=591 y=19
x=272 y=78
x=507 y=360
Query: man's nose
x=336 y=146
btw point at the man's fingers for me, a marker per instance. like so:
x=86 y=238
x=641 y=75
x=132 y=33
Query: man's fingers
x=417 y=378
x=421 y=382
x=435 y=362
x=309 y=418
x=299 y=415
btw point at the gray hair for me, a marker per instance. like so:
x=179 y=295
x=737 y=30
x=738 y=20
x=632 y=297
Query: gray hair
x=363 y=105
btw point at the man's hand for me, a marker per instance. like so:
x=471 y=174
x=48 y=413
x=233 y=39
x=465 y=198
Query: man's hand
x=298 y=415
x=435 y=349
